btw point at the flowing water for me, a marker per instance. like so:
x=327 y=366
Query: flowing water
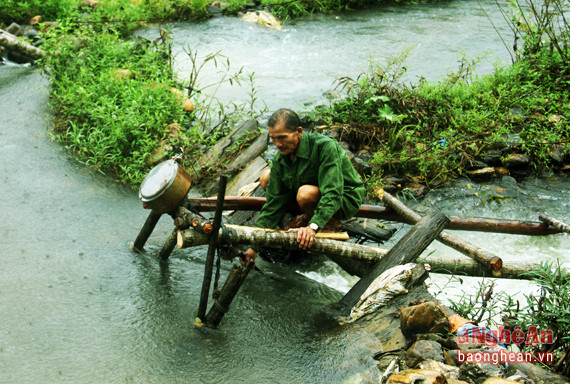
x=78 y=306
x=297 y=64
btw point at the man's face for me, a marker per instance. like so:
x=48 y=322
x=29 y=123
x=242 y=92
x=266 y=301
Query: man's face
x=286 y=141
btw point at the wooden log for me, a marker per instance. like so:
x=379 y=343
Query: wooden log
x=184 y=219
x=212 y=243
x=469 y=267
x=486 y=259
x=169 y=245
x=222 y=304
x=555 y=223
x=146 y=230
x=513 y=227
x=235 y=235
x=408 y=249
x=22 y=47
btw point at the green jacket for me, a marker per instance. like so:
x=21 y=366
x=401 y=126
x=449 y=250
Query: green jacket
x=319 y=161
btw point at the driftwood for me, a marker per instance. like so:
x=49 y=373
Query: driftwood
x=235 y=234
x=407 y=250
x=487 y=259
x=146 y=230
x=22 y=47
x=555 y=223
x=469 y=267
x=514 y=227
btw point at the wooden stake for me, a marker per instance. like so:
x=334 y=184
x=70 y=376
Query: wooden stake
x=213 y=240
x=407 y=250
x=233 y=282
x=145 y=231
x=487 y=259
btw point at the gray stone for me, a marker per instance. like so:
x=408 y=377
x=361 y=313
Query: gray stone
x=492 y=157
x=424 y=350
x=479 y=372
x=517 y=160
x=15 y=29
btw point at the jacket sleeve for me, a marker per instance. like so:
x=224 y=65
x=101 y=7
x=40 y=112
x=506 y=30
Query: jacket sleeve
x=331 y=183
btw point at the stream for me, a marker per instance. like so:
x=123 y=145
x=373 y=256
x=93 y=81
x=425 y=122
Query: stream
x=78 y=306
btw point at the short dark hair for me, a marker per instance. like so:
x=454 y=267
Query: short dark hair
x=289 y=118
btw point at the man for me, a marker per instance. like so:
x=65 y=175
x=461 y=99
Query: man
x=311 y=169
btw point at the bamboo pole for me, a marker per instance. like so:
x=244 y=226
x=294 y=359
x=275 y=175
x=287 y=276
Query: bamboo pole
x=513 y=227
x=487 y=259
x=235 y=235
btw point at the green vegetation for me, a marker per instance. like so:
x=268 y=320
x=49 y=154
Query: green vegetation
x=437 y=130
x=546 y=310
x=429 y=131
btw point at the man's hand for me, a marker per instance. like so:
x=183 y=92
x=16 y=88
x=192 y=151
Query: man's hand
x=250 y=255
x=305 y=237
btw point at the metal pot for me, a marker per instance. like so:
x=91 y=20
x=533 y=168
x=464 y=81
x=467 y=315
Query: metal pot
x=165 y=186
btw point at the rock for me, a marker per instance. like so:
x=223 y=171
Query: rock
x=477 y=373
x=448 y=371
x=361 y=166
x=188 y=105
x=508 y=182
x=122 y=74
x=427 y=317
x=483 y=174
x=555 y=119
x=498 y=380
x=477 y=164
x=35 y=20
x=415 y=189
x=262 y=18
x=502 y=171
x=424 y=350
x=519 y=377
x=89 y=4
x=556 y=153
x=492 y=157
x=414 y=376
x=213 y=10
x=15 y=30
x=517 y=160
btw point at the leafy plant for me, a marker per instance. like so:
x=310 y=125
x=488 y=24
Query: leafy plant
x=550 y=310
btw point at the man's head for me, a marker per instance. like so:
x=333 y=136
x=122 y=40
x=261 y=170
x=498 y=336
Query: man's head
x=285 y=131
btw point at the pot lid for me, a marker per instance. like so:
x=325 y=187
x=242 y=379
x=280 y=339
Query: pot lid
x=158 y=180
